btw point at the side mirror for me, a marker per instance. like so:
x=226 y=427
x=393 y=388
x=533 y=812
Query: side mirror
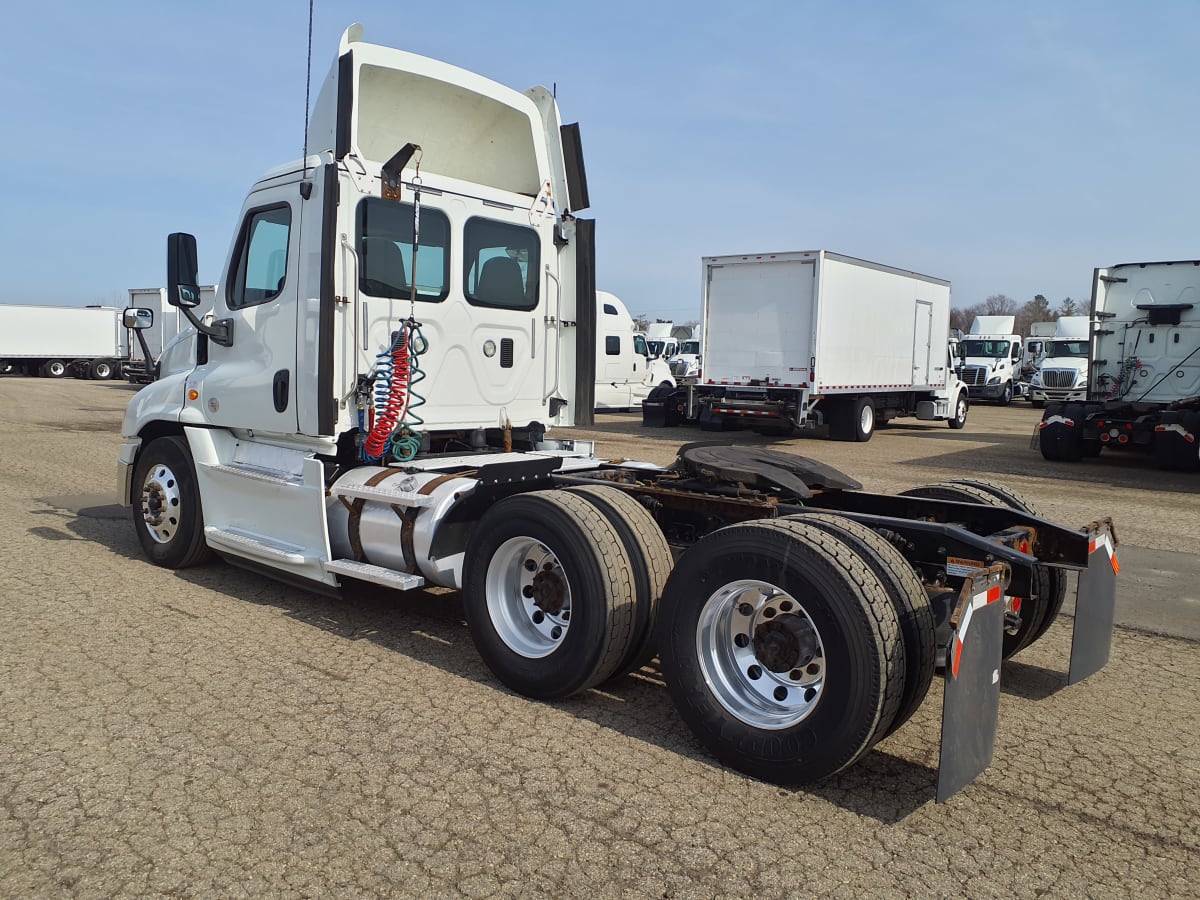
x=183 y=280
x=137 y=318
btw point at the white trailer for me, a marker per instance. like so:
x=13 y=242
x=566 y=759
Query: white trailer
x=358 y=411
x=55 y=341
x=167 y=324
x=793 y=338
x=1138 y=388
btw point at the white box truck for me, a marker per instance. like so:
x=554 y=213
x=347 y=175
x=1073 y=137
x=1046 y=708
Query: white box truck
x=55 y=341
x=795 y=339
x=356 y=411
x=1141 y=375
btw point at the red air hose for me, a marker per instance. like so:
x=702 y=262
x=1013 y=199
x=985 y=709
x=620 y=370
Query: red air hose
x=391 y=395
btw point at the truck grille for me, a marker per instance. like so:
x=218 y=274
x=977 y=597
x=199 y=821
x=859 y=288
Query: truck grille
x=973 y=376
x=1058 y=378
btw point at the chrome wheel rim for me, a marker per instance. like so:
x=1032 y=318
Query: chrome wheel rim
x=960 y=414
x=761 y=654
x=528 y=597
x=866 y=419
x=161 y=503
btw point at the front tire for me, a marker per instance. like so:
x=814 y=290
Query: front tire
x=1006 y=395
x=167 y=513
x=781 y=650
x=961 y=406
x=549 y=595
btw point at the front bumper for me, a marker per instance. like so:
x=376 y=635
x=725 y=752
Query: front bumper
x=985 y=391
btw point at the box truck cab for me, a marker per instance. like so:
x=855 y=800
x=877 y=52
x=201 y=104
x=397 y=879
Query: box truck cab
x=625 y=371
x=686 y=362
x=1064 y=371
x=990 y=359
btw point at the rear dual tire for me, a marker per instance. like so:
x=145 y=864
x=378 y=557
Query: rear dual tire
x=781 y=650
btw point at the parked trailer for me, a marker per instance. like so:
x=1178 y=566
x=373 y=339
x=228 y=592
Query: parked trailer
x=1143 y=386
x=166 y=324
x=56 y=341
x=799 y=339
x=336 y=422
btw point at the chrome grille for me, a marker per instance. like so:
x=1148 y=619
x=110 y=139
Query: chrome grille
x=1058 y=378
x=973 y=375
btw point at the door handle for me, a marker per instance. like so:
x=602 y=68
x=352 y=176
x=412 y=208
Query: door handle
x=279 y=389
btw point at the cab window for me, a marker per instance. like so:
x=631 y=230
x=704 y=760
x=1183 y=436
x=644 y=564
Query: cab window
x=262 y=257
x=385 y=251
x=501 y=264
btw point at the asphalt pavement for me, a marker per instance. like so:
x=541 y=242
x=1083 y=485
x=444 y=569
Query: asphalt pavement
x=211 y=732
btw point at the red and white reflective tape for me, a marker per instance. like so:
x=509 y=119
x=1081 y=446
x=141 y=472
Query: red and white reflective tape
x=764 y=384
x=1178 y=429
x=991 y=595
x=1103 y=541
x=861 y=387
x=1057 y=420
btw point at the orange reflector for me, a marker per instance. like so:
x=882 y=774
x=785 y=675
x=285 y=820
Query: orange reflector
x=193 y=395
x=1116 y=565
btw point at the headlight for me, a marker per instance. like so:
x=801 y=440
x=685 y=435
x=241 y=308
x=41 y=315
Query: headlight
x=995 y=379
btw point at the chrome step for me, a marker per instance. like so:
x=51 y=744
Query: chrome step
x=401 y=581
x=245 y=544
x=253 y=473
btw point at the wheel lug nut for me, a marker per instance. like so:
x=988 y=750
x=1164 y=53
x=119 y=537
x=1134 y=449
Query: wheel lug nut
x=556 y=632
x=781 y=693
x=746 y=609
x=741 y=640
x=530 y=565
x=754 y=673
x=527 y=591
x=538 y=617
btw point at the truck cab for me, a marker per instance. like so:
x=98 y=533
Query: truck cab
x=1063 y=374
x=626 y=372
x=989 y=361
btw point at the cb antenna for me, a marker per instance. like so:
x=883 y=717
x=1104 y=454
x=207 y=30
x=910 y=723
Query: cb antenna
x=307 y=87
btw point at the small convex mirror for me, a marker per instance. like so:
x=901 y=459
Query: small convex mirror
x=138 y=318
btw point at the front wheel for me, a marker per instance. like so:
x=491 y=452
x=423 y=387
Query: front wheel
x=167 y=513
x=781 y=650
x=1006 y=395
x=961 y=405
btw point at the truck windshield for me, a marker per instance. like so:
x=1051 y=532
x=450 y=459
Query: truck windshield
x=1060 y=349
x=994 y=349
x=656 y=347
x=689 y=347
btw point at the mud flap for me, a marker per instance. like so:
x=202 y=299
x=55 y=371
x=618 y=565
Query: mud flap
x=1095 y=604
x=971 y=702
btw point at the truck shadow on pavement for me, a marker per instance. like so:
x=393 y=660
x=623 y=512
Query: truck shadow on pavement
x=428 y=626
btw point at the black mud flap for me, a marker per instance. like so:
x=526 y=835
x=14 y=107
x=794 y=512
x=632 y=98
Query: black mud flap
x=972 y=697
x=1095 y=603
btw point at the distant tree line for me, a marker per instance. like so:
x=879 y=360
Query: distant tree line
x=1036 y=310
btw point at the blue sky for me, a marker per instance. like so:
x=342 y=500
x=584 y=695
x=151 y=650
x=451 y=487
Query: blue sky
x=1009 y=147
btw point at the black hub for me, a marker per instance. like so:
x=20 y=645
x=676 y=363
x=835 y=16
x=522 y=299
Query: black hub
x=549 y=592
x=786 y=642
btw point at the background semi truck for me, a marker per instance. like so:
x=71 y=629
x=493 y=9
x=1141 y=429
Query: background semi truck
x=990 y=356
x=404 y=316
x=1066 y=357
x=55 y=341
x=626 y=371
x=1143 y=384
x=804 y=338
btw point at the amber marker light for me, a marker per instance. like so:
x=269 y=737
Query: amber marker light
x=193 y=394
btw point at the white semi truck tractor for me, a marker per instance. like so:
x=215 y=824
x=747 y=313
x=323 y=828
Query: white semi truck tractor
x=405 y=318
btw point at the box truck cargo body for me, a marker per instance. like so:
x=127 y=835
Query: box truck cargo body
x=54 y=341
x=793 y=338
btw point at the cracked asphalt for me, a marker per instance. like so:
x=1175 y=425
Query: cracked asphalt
x=212 y=732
